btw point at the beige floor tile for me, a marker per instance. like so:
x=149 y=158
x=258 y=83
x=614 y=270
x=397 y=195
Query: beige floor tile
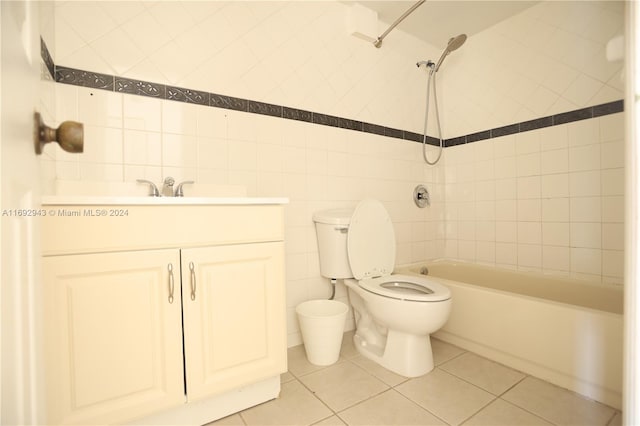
x=616 y=420
x=232 y=420
x=298 y=363
x=389 y=377
x=448 y=397
x=331 y=421
x=343 y=385
x=501 y=413
x=488 y=375
x=388 y=408
x=443 y=351
x=295 y=406
x=286 y=377
x=558 y=405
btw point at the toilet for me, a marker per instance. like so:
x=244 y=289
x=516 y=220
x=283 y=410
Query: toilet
x=395 y=314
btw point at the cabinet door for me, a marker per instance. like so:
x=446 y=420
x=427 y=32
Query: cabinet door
x=234 y=316
x=113 y=338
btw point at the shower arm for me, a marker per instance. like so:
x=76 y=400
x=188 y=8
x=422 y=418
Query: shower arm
x=378 y=41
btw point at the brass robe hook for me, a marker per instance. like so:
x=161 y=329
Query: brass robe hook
x=70 y=135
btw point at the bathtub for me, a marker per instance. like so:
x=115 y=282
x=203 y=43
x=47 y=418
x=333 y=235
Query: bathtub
x=564 y=331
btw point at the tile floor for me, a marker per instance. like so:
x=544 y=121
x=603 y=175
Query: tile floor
x=463 y=389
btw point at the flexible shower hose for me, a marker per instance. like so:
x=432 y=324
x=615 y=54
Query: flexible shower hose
x=432 y=74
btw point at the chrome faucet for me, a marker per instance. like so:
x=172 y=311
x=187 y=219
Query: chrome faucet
x=179 y=192
x=167 y=187
x=153 y=189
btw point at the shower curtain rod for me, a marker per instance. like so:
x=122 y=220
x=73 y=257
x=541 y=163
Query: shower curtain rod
x=378 y=41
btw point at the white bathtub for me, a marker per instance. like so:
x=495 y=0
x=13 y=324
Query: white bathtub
x=567 y=332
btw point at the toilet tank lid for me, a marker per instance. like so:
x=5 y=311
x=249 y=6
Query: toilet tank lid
x=333 y=216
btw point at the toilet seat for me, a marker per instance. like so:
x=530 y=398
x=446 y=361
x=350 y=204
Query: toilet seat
x=371 y=247
x=406 y=287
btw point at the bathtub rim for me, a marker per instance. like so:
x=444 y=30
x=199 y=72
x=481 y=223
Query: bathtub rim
x=407 y=269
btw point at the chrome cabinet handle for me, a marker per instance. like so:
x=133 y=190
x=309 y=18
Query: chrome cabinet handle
x=171 y=283
x=193 y=280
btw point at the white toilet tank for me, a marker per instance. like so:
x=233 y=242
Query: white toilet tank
x=331 y=228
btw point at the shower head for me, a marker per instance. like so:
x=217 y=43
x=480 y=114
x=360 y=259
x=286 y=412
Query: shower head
x=453 y=44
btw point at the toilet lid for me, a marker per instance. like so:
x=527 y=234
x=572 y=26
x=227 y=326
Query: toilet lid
x=371 y=242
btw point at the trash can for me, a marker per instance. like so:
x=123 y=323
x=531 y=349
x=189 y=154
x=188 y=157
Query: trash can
x=322 y=326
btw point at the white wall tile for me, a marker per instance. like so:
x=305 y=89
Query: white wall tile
x=179 y=118
x=179 y=150
x=140 y=113
x=586 y=261
x=555 y=210
x=613 y=236
x=588 y=235
x=613 y=182
x=585 y=209
x=556 y=234
x=585 y=184
x=99 y=108
x=584 y=132
x=530 y=256
x=506 y=254
x=583 y=158
x=556 y=258
x=554 y=186
x=556 y=161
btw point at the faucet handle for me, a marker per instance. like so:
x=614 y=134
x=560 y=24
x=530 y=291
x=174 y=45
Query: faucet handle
x=153 y=189
x=179 y=192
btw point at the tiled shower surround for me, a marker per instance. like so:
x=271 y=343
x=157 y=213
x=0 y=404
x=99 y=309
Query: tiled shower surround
x=548 y=199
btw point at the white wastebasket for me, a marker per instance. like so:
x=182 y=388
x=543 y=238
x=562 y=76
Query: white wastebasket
x=322 y=325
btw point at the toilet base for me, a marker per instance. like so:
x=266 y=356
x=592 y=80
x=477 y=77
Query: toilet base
x=405 y=354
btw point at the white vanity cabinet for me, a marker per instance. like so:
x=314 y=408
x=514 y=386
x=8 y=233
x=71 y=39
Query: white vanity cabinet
x=170 y=314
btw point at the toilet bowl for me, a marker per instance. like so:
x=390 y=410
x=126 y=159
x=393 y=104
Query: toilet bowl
x=395 y=314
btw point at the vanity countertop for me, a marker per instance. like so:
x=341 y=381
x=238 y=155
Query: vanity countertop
x=159 y=201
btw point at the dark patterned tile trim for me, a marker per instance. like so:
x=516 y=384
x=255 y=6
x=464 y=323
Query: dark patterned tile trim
x=345 y=123
x=568 y=117
x=460 y=140
x=480 y=136
x=373 y=128
x=505 y=130
x=145 y=88
x=297 y=114
x=416 y=137
x=552 y=120
x=610 y=108
x=325 y=120
x=84 y=78
x=228 y=102
x=142 y=88
x=47 y=59
x=187 y=95
x=394 y=133
x=264 y=109
x=538 y=123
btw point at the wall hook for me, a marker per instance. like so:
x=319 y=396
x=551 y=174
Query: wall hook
x=70 y=135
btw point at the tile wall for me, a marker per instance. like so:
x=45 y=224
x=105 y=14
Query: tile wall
x=548 y=199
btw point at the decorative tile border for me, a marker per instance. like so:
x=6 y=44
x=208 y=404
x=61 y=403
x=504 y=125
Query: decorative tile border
x=144 y=88
x=538 y=123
